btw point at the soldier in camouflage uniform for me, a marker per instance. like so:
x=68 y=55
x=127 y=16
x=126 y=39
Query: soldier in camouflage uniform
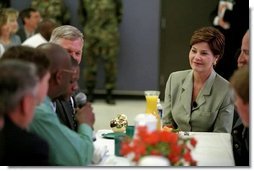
x=54 y=9
x=102 y=19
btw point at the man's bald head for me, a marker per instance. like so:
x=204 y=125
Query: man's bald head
x=244 y=56
x=60 y=69
x=58 y=56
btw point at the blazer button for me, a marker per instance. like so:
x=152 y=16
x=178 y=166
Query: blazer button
x=236 y=146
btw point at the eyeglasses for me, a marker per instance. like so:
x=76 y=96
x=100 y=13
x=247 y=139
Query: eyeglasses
x=69 y=71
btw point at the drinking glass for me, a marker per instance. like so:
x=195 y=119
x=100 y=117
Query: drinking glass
x=151 y=101
x=151 y=105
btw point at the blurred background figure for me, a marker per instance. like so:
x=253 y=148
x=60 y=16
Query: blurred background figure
x=8 y=27
x=30 y=19
x=240 y=84
x=101 y=26
x=19 y=86
x=12 y=18
x=43 y=33
x=55 y=9
x=232 y=19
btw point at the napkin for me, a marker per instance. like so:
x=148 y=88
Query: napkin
x=100 y=152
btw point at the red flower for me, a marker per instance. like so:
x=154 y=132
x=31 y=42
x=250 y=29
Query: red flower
x=163 y=143
x=193 y=142
x=187 y=157
x=152 y=139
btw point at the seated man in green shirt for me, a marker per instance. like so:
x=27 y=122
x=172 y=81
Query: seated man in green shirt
x=66 y=146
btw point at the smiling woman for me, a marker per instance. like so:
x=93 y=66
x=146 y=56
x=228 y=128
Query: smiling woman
x=192 y=93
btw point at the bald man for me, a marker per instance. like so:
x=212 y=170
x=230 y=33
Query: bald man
x=243 y=58
x=239 y=132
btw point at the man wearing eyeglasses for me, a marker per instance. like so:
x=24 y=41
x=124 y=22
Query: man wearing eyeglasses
x=65 y=107
x=66 y=146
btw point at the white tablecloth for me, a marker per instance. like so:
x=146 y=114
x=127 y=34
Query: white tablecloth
x=110 y=159
x=213 y=149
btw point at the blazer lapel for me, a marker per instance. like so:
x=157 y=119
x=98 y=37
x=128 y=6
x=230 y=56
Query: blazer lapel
x=187 y=92
x=68 y=112
x=206 y=90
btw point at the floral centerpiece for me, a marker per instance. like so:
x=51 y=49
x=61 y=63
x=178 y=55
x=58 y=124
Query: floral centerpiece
x=171 y=145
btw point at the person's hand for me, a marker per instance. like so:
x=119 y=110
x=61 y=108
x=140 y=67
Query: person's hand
x=85 y=115
x=223 y=24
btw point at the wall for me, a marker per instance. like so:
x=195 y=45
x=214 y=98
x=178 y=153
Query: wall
x=139 y=48
x=139 y=53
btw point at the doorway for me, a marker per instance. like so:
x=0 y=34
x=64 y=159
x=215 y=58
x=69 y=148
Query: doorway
x=179 y=18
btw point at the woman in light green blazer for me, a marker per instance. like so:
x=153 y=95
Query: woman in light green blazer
x=200 y=100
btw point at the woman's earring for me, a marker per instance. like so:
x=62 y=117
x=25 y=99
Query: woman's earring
x=214 y=63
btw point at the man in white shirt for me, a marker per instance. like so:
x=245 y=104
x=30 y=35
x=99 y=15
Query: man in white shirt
x=44 y=30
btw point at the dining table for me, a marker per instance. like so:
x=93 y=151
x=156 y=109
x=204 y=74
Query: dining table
x=212 y=149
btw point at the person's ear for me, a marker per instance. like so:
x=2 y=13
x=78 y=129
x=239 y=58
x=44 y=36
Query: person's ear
x=59 y=76
x=25 y=105
x=28 y=104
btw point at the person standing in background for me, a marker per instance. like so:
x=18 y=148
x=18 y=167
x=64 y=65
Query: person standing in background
x=101 y=27
x=232 y=19
x=55 y=9
x=30 y=18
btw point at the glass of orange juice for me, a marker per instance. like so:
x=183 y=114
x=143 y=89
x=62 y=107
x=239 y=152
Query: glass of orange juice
x=151 y=101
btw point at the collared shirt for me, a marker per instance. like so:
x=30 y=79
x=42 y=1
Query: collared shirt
x=66 y=146
x=53 y=106
x=28 y=34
